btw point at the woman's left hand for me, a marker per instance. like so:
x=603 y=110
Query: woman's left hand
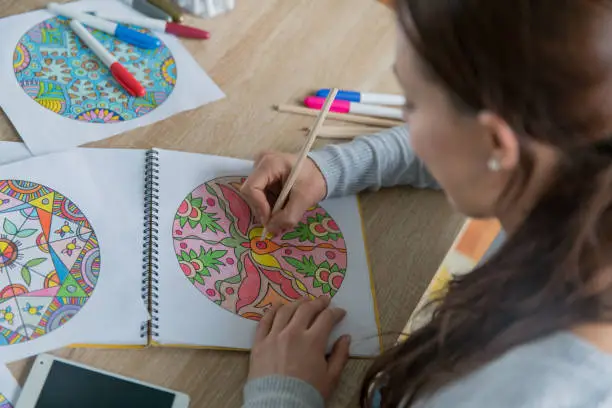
x=292 y=341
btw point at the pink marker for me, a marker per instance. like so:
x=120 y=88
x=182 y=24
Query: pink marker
x=341 y=106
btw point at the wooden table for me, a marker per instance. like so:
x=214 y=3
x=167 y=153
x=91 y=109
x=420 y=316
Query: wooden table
x=269 y=52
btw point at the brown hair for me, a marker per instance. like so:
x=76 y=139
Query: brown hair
x=541 y=66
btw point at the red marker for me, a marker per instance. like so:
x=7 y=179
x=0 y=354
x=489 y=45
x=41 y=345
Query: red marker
x=119 y=72
x=177 y=29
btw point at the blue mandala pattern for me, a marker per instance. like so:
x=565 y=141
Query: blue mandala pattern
x=58 y=71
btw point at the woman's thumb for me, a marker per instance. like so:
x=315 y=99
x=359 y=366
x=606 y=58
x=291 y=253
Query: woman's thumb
x=338 y=358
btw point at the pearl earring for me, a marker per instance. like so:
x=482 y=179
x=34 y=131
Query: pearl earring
x=494 y=164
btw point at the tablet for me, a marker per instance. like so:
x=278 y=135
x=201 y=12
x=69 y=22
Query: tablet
x=54 y=382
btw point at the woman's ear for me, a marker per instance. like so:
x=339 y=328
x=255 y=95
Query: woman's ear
x=505 y=150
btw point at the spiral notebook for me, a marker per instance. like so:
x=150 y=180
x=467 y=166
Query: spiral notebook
x=120 y=247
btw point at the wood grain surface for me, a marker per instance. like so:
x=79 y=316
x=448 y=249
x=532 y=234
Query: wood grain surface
x=270 y=52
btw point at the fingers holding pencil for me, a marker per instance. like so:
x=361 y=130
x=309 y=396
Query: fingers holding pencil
x=302 y=157
x=263 y=186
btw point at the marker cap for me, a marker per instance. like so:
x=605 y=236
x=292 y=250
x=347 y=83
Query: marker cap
x=136 y=38
x=185 y=31
x=315 y=102
x=342 y=95
x=127 y=80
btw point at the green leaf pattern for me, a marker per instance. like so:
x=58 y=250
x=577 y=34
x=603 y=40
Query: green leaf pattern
x=301 y=232
x=304 y=230
x=24 y=233
x=9 y=227
x=207 y=220
x=35 y=262
x=308 y=267
x=207 y=261
x=26 y=274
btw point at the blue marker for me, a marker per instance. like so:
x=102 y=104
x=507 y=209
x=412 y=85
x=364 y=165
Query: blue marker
x=120 y=31
x=363 y=97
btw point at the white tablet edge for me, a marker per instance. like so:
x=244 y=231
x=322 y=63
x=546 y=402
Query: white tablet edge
x=40 y=370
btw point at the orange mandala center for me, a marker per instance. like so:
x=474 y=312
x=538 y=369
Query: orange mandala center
x=8 y=252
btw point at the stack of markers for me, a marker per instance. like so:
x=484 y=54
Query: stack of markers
x=160 y=9
x=114 y=25
x=365 y=109
x=359 y=103
x=171 y=10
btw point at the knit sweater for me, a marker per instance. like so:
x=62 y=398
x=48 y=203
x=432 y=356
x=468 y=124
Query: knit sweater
x=560 y=370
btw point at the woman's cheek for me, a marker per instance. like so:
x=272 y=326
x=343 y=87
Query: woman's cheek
x=406 y=115
x=419 y=142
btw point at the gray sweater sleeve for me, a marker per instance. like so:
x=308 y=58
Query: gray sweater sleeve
x=281 y=392
x=370 y=162
x=384 y=159
x=564 y=371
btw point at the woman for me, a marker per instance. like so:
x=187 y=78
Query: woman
x=509 y=107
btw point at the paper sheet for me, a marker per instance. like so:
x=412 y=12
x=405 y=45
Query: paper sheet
x=477 y=240
x=66 y=88
x=13 y=151
x=187 y=312
x=99 y=300
x=9 y=388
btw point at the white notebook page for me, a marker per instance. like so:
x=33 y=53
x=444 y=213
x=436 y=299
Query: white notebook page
x=189 y=317
x=9 y=388
x=13 y=151
x=107 y=186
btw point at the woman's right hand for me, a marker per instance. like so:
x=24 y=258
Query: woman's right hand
x=265 y=183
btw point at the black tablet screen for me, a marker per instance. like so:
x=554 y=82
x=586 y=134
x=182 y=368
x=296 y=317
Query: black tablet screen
x=69 y=386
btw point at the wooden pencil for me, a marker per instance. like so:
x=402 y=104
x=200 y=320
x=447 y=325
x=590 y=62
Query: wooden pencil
x=297 y=166
x=347 y=117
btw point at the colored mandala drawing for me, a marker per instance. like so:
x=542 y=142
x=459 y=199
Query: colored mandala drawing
x=4 y=403
x=58 y=71
x=49 y=260
x=217 y=243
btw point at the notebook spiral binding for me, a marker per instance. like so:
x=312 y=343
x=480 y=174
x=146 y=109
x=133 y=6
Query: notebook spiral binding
x=150 y=252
